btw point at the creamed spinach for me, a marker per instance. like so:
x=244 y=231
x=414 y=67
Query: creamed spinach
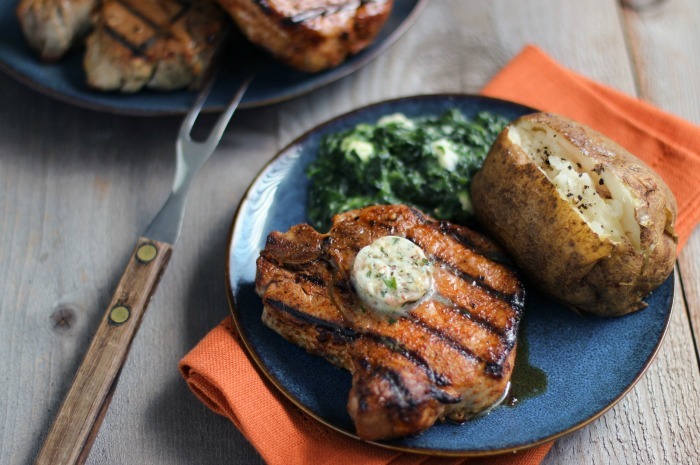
x=424 y=162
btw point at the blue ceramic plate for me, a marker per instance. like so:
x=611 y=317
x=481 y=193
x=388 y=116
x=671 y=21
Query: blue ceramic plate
x=570 y=368
x=274 y=82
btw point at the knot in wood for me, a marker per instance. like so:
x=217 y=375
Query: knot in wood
x=63 y=319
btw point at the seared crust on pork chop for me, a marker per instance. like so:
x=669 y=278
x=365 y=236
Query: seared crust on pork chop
x=159 y=44
x=450 y=357
x=310 y=35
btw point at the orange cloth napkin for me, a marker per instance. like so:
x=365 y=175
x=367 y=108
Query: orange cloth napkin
x=222 y=376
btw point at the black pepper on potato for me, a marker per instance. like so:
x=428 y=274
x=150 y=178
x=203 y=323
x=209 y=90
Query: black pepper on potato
x=589 y=223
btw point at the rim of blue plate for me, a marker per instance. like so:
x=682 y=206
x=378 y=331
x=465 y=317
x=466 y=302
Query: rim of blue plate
x=222 y=92
x=261 y=366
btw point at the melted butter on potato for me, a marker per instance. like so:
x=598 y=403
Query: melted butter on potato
x=600 y=198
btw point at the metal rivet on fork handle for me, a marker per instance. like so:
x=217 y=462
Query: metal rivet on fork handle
x=146 y=253
x=119 y=314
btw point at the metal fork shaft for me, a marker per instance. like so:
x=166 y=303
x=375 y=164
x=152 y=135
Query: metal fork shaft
x=191 y=156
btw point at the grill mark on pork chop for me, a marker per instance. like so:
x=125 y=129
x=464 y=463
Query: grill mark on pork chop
x=346 y=333
x=443 y=397
x=504 y=336
x=492 y=367
x=363 y=390
x=435 y=241
x=389 y=342
x=476 y=319
x=159 y=31
x=313 y=279
x=412 y=356
x=402 y=397
x=492 y=254
x=498 y=313
x=477 y=281
x=140 y=15
x=345 y=286
x=514 y=301
x=136 y=50
x=456 y=345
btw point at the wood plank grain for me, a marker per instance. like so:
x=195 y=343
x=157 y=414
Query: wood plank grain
x=73 y=181
x=53 y=186
x=77 y=187
x=83 y=409
x=664 y=42
x=656 y=422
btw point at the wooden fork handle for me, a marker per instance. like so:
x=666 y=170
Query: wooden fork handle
x=75 y=427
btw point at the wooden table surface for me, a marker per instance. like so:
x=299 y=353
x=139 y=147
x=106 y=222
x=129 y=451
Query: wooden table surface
x=77 y=187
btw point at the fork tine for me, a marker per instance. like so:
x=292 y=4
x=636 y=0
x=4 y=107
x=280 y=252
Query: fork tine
x=191 y=117
x=218 y=130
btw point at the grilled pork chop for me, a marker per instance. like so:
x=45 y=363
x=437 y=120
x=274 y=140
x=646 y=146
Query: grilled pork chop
x=160 y=44
x=52 y=26
x=310 y=35
x=451 y=356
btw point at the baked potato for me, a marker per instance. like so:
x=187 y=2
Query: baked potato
x=587 y=221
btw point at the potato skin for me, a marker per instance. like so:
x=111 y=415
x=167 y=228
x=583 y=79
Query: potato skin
x=549 y=240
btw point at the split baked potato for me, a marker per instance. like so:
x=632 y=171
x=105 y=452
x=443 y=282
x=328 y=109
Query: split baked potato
x=586 y=220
